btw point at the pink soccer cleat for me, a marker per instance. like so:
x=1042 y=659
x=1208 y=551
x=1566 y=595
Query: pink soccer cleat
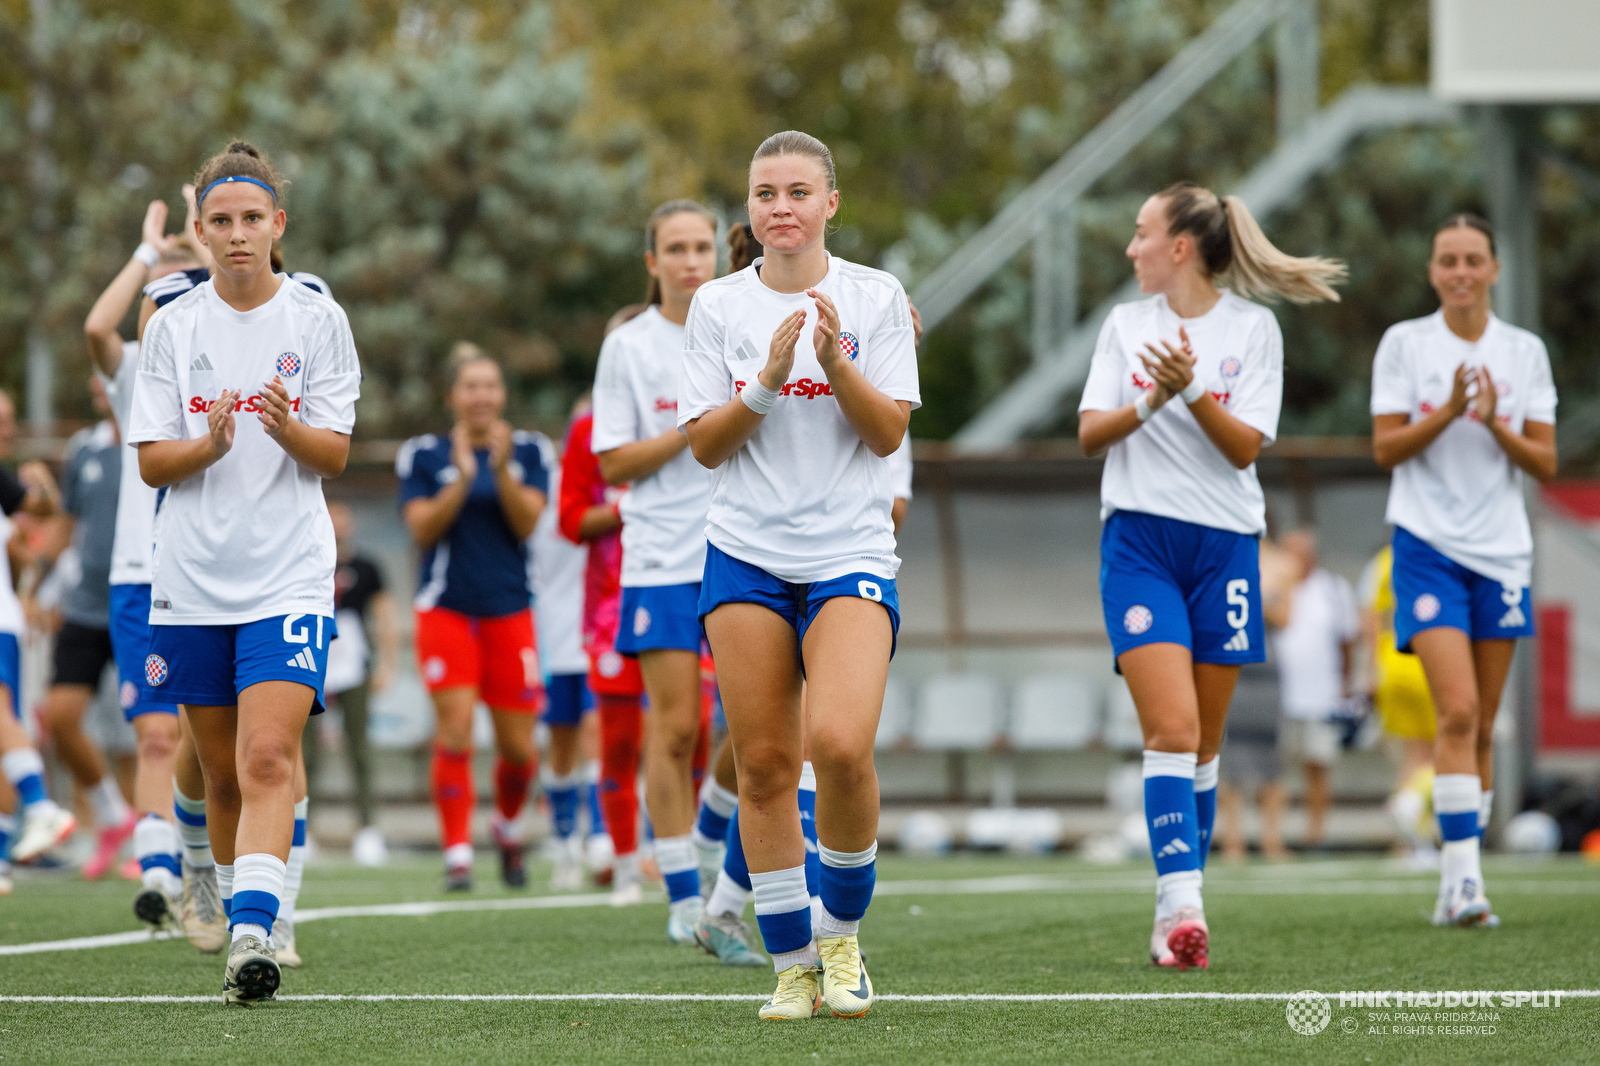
x=1160 y=954
x=1189 y=938
x=110 y=842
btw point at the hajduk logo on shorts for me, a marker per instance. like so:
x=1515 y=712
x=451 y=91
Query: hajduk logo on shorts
x=641 y=622
x=1426 y=609
x=155 y=670
x=288 y=364
x=1138 y=619
x=1231 y=367
x=848 y=345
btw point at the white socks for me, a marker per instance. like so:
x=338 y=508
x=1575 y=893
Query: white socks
x=105 y=799
x=154 y=838
x=1177 y=890
x=295 y=869
x=1485 y=810
x=190 y=815
x=727 y=897
x=257 y=890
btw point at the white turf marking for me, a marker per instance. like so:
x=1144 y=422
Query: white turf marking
x=735 y=997
x=1422 y=885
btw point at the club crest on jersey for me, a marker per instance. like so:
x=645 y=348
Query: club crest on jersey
x=1138 y=619
x=155 y=670
x=1426 y=608
x=288 y=364
x=1230 y=367
x=848 y=345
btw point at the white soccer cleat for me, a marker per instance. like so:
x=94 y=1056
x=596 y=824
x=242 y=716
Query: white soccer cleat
x=1190 y=939
x=846 y=988
x=369 y=848
x=252 y=974
x=42 y=829
x=798 y=996
x=203 y=920
x=682 y=919
x=1465 y=904
x=728 y=938
x=1160 y=954
x=567 y=874
x=283 y=943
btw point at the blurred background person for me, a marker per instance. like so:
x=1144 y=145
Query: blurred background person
x=1316 y=660
x=1250 y=765
x=359 y=667
x=1400 y=697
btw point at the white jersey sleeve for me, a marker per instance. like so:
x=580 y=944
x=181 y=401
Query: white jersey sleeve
x=1103 y=389
x=1392 y=393
x=1541 y=404
x=893 y=367
x=157 y=402
x=1256 y=395
x=615 y=413
x=333 y=376
x=901 y=470
x=705 y=383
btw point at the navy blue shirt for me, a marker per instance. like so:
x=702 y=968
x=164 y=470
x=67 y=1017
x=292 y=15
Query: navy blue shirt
x=480 y=567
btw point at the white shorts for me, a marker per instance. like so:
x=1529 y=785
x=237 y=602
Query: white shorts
x=1308 y=741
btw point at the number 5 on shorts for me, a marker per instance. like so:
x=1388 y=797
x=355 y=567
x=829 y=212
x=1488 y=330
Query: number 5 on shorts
x=1239 y=596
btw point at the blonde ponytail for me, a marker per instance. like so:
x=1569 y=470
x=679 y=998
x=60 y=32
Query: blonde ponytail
x=1235 y=252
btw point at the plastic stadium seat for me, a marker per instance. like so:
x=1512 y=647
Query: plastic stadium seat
x=1055 y=712
x=1122 y=720
x=959 y=712
x=895 y=721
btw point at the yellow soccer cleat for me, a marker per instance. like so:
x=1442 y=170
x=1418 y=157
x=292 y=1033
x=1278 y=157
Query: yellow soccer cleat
x=845 y=984
x=799 y=995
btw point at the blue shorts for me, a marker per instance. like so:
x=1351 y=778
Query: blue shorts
x=11 y=670
x=566 y=698
x=1431 y=589
x=730 y=580
x=130 y=643
x=1166 y=581
x=208 y=666
x=658 y=617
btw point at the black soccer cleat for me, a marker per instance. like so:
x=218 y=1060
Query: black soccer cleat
x=458 y=879
x=513 y=868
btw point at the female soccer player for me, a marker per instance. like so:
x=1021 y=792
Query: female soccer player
x=588 y=515
x=799 y=578
x=1183 y=511
x=663 y=532
x=241 y=609
x=471 y=498
x=1463 y=404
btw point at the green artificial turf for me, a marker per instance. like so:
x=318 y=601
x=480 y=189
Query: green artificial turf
x=1328 y=926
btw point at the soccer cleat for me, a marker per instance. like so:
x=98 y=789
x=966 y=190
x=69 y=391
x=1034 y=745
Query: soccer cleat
x=1466 y=904
x=108 y=842
x=5 y=883
x=845 y=985
x=682 y=919
x=1189 y=940
x=1160 y=954
x=203 y=919
x=159 y=910
x=627 y=894
x=283 y=943
x=252 y=974
x=513 y=866
x=458 y=879
x=798 y=996
x=567 y=875
x=728 y=938
x=42 y=829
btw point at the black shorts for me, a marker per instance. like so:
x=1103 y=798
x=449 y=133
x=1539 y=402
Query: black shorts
x=81 y=655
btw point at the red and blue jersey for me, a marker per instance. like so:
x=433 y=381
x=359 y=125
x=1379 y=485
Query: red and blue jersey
x=480 y=566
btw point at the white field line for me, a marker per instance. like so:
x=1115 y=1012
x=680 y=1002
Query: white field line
x=735 y=997
x=967 y=886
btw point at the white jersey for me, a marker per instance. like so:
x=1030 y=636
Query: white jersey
x=636 y=398
x=1462 y=494
x=1322 y=619
x=556 y=569
x=249 y=537
x=900 y=470
x=12 y=620
x=804 y=498
x=1168 y=466
x=133 y=545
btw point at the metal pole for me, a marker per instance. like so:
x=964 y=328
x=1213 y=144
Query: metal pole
x=1511 y=179
x=1055 y=281
x=43 y=179
x=1299 y=51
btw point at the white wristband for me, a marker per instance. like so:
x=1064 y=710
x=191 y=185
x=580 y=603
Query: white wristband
x=758 y=397
x=147 y=254
x=1141 y=407
x=1192 y=391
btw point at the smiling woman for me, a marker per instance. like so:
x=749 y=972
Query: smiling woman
x=241 y=609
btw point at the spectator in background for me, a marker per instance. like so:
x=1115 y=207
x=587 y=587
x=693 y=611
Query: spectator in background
x=1250 y=761
x=91 y=479
x=361 y=605
x=1316 y=658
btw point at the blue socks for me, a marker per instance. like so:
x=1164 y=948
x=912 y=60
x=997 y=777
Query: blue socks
x=257 y=884
x=562 y=792
x=783 y=912
x=25 y=770
x=591 y=797
x=847 y=879
x=717 y=805
x=679 y=867
x=808 y=826
x=733 y=863
x=1170 y=812
x=1205 y=804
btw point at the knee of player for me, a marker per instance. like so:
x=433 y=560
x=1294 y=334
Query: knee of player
x=1458 y=717
x=834 y=754
x=157 y=738
x=767 y=770
x=267 y=763
x=1173 y=736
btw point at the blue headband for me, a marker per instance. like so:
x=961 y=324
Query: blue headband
x=232 y=178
